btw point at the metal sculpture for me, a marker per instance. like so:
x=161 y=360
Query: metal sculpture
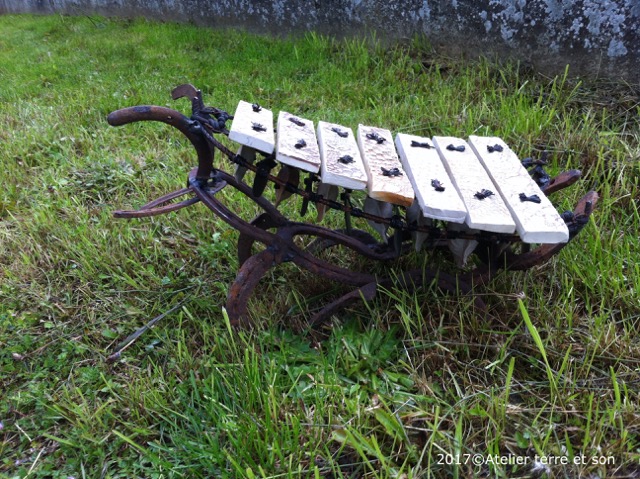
x=278 y=233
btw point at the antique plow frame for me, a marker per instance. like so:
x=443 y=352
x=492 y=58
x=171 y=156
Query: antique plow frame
x=277 y=233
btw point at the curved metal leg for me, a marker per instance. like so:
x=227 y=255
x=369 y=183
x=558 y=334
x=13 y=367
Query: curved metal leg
x=159 y=206
x=175 y=119
x=247 y=278
x=564 y=179
x=320 y=244
x=366 y=293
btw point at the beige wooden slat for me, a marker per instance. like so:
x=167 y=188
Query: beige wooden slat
x=297 y=145
x=535 y=222
x=379 y=155
x=423 y=166
x=253 y=128
x=470 y=178
x=340 y=157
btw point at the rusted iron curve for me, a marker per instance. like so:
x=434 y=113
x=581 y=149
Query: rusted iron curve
x=564 y=179
x=186 y=126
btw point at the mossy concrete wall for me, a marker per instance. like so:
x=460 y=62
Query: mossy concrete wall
x=597 y=38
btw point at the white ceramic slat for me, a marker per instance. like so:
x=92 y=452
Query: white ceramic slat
x=333 y=146
x=292 y=131
x=469 y=177
x=535 y=222
x=378 y=155
x=423 y=165
x=243 y=131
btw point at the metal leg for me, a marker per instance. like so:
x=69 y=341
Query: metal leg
x=247 y=278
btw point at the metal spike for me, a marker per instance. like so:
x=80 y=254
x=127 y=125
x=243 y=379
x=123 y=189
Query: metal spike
x=289 y=175
x=308 y=188
x=261 y=179
x=414 y=215
x=248 y=154
x=329 y=192
x=461 y=248
x=382 y=209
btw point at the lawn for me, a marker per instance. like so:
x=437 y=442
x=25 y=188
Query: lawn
x=412 y=385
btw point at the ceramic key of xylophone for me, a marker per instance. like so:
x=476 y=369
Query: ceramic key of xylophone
x=297 y=145
x=484 y=212
x=537 y=220
x=386 y=179
x=253 y=126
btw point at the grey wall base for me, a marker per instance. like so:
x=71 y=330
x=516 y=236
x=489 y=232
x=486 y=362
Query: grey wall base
x=597 y=38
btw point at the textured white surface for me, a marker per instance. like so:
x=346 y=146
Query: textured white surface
x=289 y=133
x=332 y=147
x=242 y=130
x=393 y=189
x=423 y=165
x=469 y=177
x=535 y=223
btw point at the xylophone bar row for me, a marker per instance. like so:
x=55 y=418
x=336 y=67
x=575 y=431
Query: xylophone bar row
x=480 y=183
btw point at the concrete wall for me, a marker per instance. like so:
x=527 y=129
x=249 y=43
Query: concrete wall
x=598 y=38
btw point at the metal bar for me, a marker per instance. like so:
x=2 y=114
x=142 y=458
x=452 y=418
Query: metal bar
x=155 y=207
x=247 y=278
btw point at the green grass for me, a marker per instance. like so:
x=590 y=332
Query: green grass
x=395 y=388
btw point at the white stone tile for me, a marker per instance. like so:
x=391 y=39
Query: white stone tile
x=380 y=156
x=253 y=128
x=249 y=154
x=297 y=145
x=469 y=178
x=340 y=157
x=423 y=165
x=535 y=222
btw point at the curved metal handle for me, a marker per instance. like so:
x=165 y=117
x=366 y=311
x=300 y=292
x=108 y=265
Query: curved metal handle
x=177 y=120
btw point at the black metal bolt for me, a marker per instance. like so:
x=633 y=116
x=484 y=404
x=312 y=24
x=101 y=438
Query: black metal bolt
x=377 y=138
x=482 y=194
x=455 y=148
x=339 y=132
x=531 y=198
x=391 y=171
x=437 y=185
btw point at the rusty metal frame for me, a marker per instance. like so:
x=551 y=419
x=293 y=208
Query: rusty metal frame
x=277 y=233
